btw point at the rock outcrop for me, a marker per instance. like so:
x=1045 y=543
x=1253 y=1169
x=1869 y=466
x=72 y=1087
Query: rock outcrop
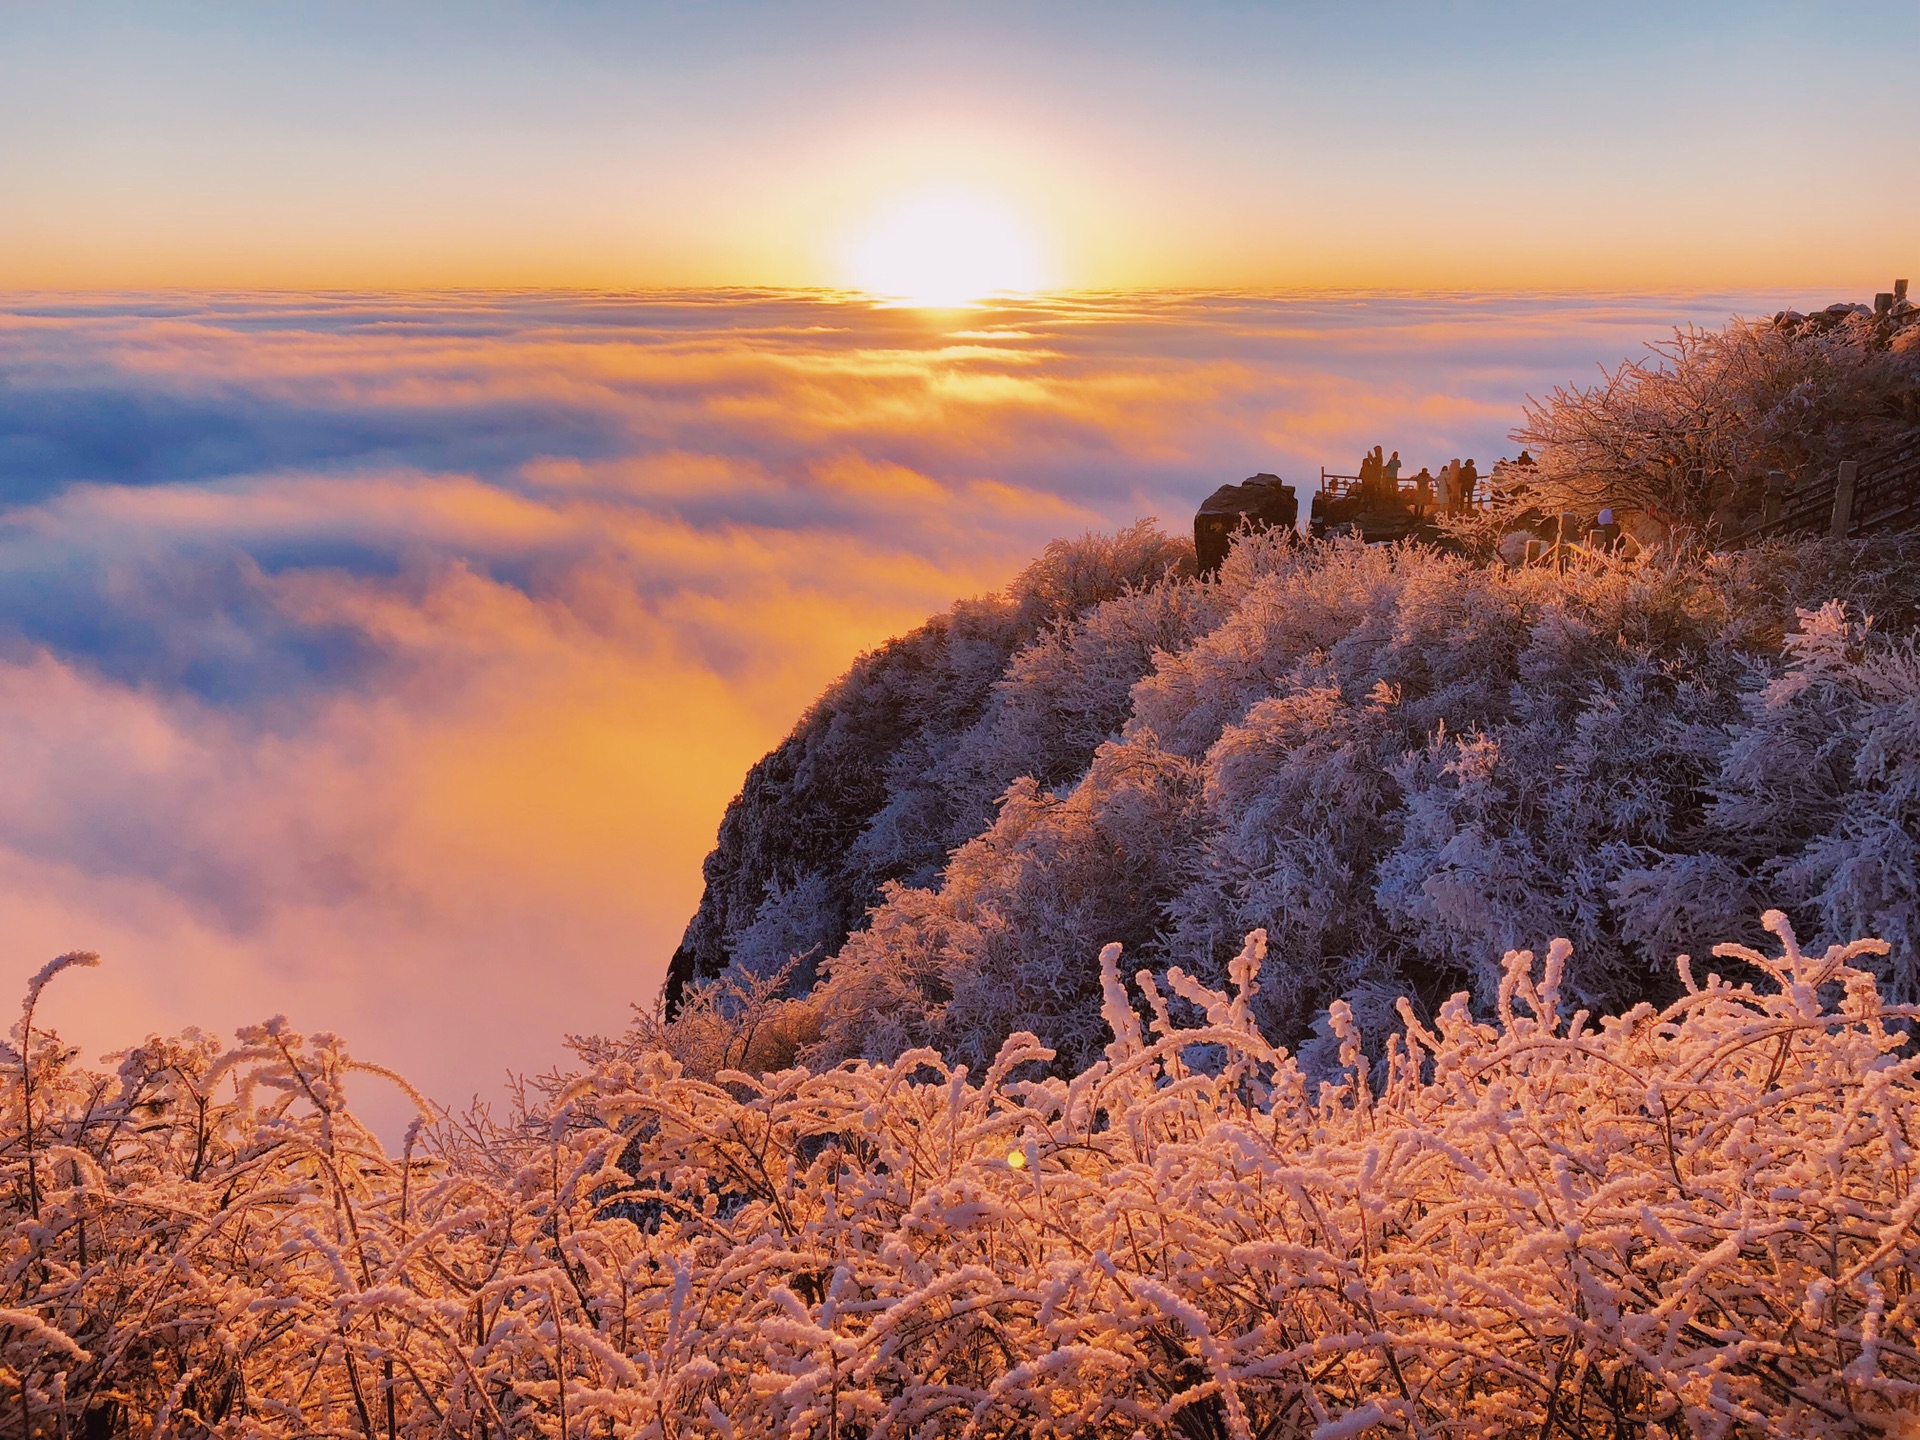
x=1890 y=314
x=1260 y=501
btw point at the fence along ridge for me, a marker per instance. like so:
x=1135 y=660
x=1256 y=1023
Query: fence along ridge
x=1886 y=487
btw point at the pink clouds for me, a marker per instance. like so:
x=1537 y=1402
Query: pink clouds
x=388 y=661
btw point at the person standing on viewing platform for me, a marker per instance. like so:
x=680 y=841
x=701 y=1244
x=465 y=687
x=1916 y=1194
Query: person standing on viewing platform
x=1390 y=479
x=1449 y=487
x=1369 y=476
x=1422 y=493
x=1469 y=478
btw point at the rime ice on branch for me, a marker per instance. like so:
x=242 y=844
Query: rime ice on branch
x=1523 y=1219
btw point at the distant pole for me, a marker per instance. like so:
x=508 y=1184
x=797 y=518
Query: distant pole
x=1843 y=499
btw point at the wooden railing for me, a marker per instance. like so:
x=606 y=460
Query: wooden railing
x=1881 y=492
x=1339 y=486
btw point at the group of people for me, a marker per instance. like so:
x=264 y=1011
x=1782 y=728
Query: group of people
x=1452 y=490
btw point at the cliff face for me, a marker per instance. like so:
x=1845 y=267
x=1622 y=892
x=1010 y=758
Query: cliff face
x=857 y=796
x=786 y=877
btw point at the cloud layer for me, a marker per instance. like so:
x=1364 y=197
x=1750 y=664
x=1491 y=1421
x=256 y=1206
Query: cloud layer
x=388 y=660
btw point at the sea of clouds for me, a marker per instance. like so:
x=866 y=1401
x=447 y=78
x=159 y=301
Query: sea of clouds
x=387 y=661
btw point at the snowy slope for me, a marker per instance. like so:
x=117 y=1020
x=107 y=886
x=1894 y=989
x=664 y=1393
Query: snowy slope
x=1398 y=763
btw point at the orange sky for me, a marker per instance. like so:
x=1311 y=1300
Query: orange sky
x=1376 y=145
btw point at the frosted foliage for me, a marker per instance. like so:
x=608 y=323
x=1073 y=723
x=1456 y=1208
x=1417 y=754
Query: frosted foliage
x=794 y=924
x=1823 y=783
x=1689 y=1221
x=1066 y=694
x=1072 y=575
x=1686 y=430
x=739 y=1021
x=1001 y=947
x=860 y=793
x=1407 y=764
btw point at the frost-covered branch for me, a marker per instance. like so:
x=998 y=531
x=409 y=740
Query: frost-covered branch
x=1521 y=1219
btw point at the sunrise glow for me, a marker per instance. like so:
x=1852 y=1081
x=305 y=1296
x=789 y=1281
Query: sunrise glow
x=819 y=718
x=945 y=250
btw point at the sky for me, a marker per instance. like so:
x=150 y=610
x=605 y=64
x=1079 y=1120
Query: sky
x=386 y=661
x=1695 y=146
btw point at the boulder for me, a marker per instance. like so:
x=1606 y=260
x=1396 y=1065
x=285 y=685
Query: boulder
x=1259 y=502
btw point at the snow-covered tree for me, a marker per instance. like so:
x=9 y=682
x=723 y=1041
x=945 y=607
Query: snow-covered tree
x=1691 y=431
x=1404 y=763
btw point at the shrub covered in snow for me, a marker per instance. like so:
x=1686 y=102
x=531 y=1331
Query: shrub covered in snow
x=1402 y=762
x=1522 y=1219
x=842 y=806
x=1691 y=431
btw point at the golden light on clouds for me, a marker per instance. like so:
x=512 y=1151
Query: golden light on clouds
x=946 y=249
x=388 y=660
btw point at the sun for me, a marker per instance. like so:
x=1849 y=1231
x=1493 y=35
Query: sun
x=946 y=250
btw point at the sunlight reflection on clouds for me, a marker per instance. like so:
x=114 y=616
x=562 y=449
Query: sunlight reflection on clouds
x=388 y=660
